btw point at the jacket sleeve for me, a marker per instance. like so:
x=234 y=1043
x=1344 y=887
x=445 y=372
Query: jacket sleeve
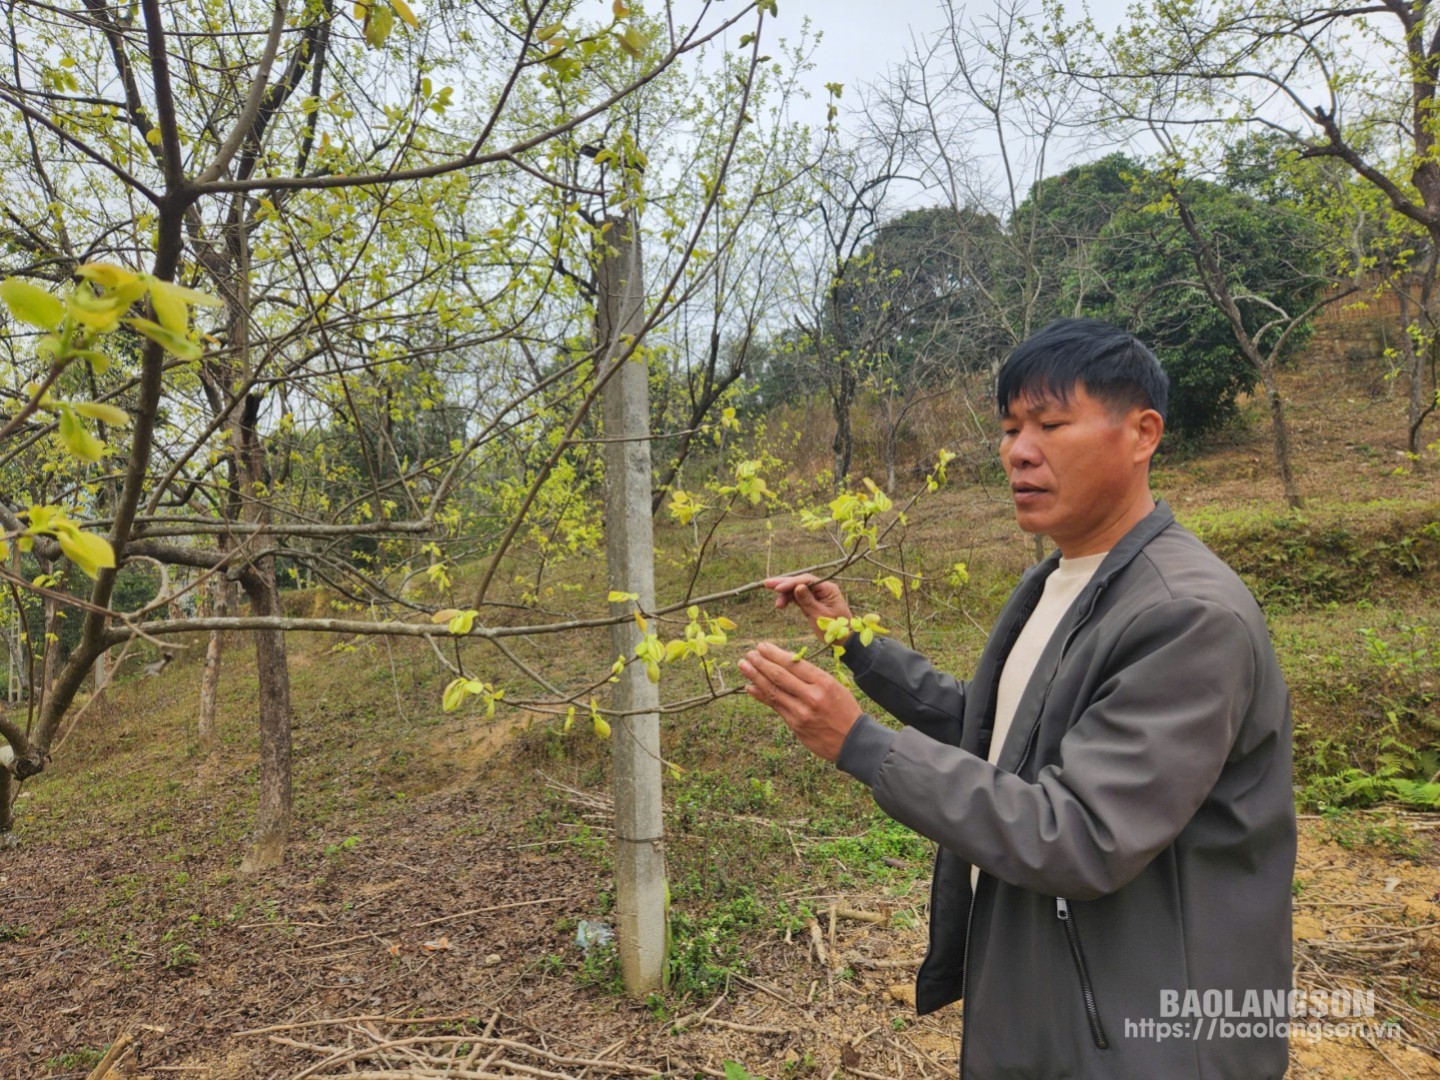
x=907 y=686
x=1132 y=770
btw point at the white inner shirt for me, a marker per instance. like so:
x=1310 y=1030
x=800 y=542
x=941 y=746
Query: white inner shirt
x=1064 y=584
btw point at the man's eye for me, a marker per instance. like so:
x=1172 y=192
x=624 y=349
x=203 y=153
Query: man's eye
x=1052 y=426
x=1010 y=433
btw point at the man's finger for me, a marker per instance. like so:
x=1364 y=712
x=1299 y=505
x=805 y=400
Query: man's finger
x=790 y=663
x=758 y=688
x=787 y=581
x=758 y=680
x=805 y=596
x=778 y=669
x=784 y=587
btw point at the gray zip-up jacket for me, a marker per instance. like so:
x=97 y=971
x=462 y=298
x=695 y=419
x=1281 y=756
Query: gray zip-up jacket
x=1135 y=837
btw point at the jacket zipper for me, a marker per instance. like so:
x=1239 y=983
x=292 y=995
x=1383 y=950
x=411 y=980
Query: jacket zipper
x=1061 y=908
x=965 y=966
x=1096 y=1031
x=1092 y=1012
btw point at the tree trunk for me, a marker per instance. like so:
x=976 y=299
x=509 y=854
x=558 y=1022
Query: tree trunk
x=890 y=433
x=13 y=645
x=1280 y=434
x=272 y=819
x=841 y=400
x=51 y=660
x=1422 y=395
x=210 y=680
x=7 y=815
x=209 y=685
x=1418 y=324
x=272 y=669
x=1218 y=289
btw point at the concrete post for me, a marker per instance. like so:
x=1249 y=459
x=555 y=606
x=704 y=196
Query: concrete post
x=630 y=558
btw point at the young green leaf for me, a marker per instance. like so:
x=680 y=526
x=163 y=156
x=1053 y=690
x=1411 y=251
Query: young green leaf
x=98 y=313
x=89 y=551
x=98 y=361
x=183 y=293
x=378 y=26
x=106 y=275
x=32 y=304
x=633 y=41
x=171 y=342
x=40 y=518
x=77 y=438
x=455 y=694
x=406 y=15
x=462 y=622
x=106 y=414
x=170 y=310
x=598 y=722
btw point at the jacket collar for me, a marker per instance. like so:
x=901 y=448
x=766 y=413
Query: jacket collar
x=1022 y=603
x=1115 y=560
x=1028 y=708
x=1129 y=545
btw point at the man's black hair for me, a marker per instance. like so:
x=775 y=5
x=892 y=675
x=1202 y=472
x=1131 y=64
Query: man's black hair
x=1113 y=366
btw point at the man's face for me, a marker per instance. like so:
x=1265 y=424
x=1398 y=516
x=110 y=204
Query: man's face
x=1074 y=469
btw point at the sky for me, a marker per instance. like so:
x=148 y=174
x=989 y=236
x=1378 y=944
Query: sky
x=861 y=39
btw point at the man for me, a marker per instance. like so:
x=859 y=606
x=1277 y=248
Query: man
x=1111 y=792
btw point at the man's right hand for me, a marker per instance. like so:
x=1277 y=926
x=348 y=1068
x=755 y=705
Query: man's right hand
x=815 y=598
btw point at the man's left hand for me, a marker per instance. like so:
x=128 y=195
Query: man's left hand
x=812 y=702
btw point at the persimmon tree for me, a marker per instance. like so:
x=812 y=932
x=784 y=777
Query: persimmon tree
x=341 y=268
x=383 y=219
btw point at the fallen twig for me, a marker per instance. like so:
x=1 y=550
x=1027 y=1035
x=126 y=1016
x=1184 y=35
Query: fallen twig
x=434 y=922
x=118 y=1049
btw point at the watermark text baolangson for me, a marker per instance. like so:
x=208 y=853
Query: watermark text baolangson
x=1311 y=1014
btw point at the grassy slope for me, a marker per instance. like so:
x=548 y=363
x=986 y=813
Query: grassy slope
x=125 y=907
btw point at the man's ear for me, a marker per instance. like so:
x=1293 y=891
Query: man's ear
x=1149 y=426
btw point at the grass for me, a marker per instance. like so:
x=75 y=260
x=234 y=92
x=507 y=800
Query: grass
x=86 y=1057
x=1352 y=830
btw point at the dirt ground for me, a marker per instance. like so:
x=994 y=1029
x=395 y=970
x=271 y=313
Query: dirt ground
x=443 y=944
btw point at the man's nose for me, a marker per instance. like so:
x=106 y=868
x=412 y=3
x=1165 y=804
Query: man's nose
x=1024 y=449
